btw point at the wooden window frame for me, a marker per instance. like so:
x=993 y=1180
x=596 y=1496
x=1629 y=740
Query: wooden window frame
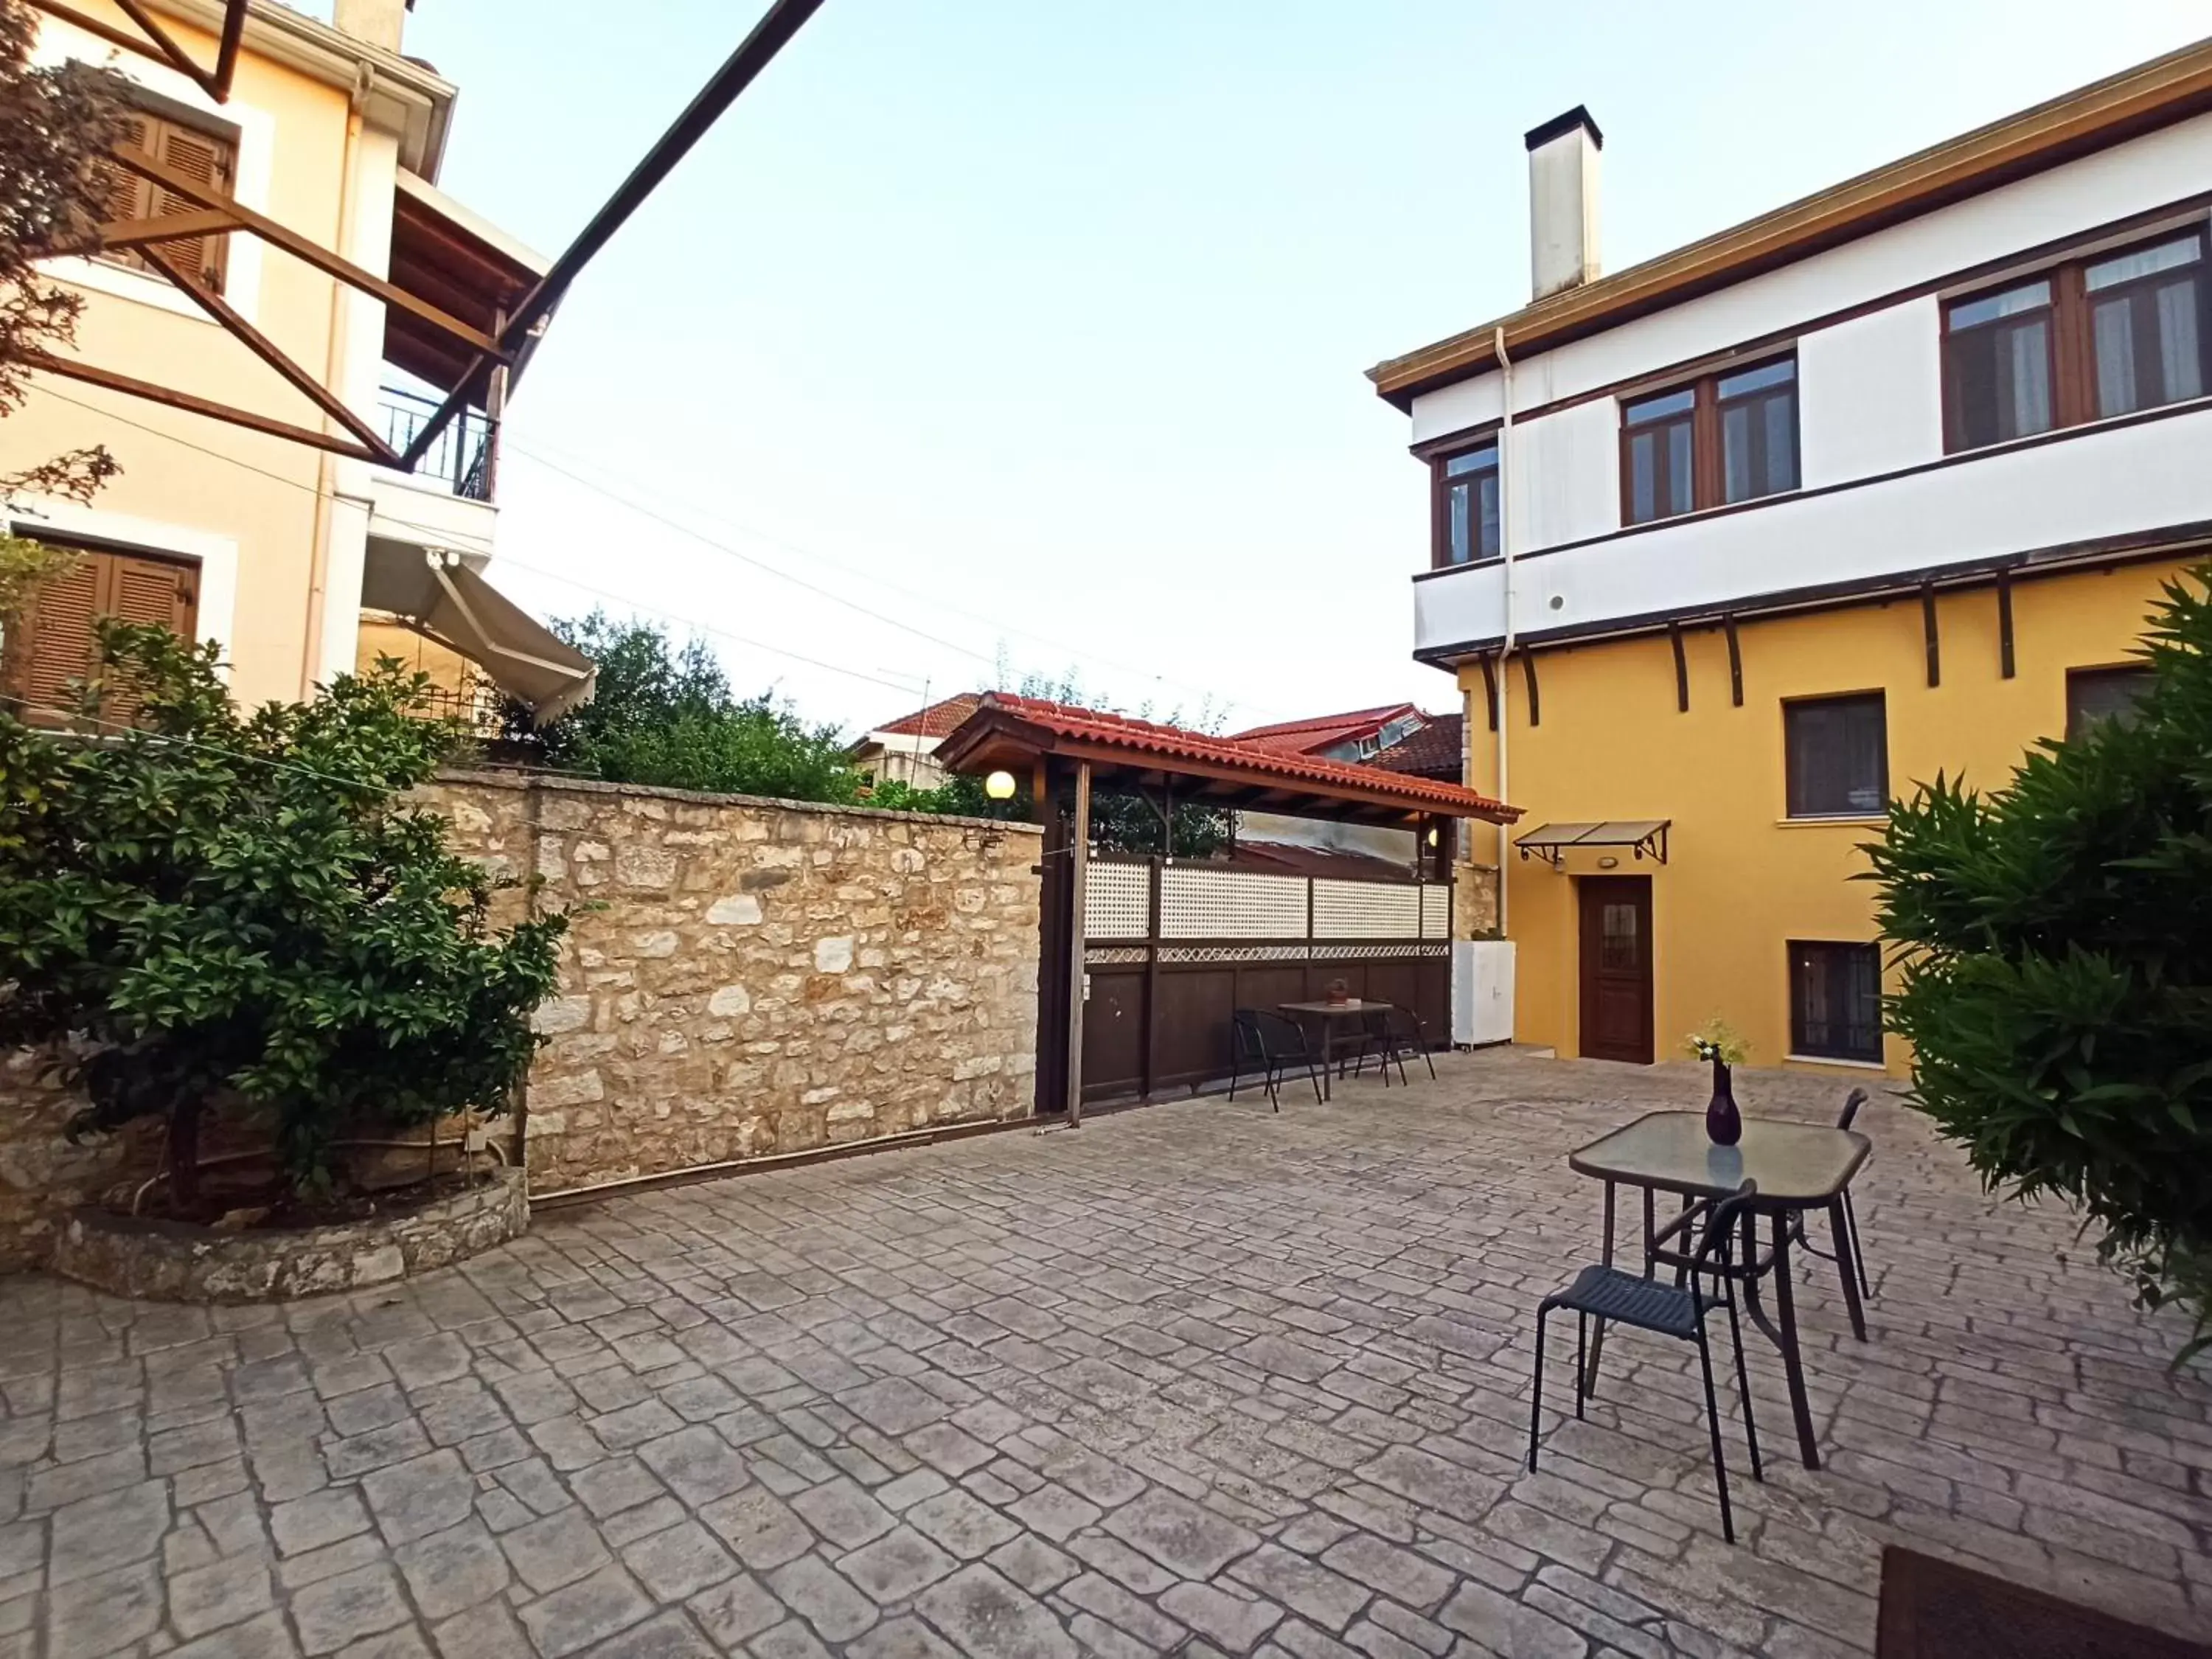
x=1791 y=707
x=1800 y=1047
x=2139 y=672
x=1442 y=484
x=1708 y=466
x=2072 y=345
x=221 y=136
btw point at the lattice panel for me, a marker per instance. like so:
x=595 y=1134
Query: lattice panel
x=1117 y=901
x=1188 y=953
x=1196 y=903
x=1116 y=956
x=1375 y=952
x=1365 y=909
x=1435 y=911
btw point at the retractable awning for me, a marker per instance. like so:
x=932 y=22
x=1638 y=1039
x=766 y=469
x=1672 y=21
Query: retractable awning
x=1643 y=838
x=454 y=604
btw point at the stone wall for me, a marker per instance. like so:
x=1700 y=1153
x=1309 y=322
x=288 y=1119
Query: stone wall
x=742 y=978
x=746 y=977
x=1474 y=901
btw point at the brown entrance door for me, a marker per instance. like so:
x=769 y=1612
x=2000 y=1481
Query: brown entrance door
x=1616 y=967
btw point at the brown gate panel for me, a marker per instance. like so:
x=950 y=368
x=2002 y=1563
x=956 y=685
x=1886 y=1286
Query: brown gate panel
x=1114 y=1031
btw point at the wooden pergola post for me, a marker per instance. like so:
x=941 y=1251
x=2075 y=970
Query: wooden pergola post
x=1078 y=875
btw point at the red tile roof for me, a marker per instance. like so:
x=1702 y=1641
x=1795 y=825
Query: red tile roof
x=1324 y=731
x=937 y=720
x=1146 y=738
x=1436 y=750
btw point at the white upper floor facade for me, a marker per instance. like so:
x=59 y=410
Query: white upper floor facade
x=1993 y=355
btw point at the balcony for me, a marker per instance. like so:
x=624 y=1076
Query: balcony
x=2130 y=482
x=464 y=460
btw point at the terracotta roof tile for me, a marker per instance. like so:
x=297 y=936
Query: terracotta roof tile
x=1323 y=731
x=937 y=720
x=1436 y=750
x=1146 y=738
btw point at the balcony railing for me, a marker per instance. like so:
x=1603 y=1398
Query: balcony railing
x=465 y=456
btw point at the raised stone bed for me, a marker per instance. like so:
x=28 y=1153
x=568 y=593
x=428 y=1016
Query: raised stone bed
x=171 y=1261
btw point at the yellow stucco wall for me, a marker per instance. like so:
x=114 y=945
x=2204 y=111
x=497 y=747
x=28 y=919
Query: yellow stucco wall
x=262 y=495
x=1740 y=881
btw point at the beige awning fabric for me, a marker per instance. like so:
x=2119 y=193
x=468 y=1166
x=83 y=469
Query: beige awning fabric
x=450 y=602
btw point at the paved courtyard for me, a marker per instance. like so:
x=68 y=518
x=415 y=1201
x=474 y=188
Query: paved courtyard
x=1194 y=1379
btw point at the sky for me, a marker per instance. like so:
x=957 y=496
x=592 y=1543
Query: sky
x=991 y=337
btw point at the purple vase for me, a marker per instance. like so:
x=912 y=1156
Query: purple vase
x=1723 y=1123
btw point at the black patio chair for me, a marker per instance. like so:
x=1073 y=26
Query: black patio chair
x=1391 y=1033
x=1849 y=1238
x=1675 y=1310
x=1271 y=1044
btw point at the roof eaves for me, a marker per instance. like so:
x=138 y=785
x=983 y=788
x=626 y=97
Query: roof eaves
x=2109 y=112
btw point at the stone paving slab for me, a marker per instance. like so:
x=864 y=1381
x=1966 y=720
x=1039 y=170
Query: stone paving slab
x=1198 y=1378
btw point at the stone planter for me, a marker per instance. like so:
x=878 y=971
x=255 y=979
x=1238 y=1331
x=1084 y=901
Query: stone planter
x=171 y=1262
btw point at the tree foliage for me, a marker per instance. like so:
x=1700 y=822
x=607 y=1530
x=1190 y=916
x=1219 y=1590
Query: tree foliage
x=665 y=716
x=57 y=123
x=2056 y=941
x=215 y=911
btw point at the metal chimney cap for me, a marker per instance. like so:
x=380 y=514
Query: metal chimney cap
x=1559 y=125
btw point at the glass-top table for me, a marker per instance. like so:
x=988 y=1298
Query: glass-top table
x=1798 y=1167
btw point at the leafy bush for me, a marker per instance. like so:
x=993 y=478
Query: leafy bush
x=665 y=717
x=211 y=911
x=2057 y=986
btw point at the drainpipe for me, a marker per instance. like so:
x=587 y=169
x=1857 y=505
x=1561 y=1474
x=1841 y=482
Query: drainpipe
x=326 y=479
x=1505 y=550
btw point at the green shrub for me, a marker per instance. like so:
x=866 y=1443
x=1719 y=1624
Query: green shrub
x=2057 y=942
x=207 y=911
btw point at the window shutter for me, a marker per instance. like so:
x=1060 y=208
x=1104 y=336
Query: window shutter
x=50 y=645
x=145 y=591
x=201 y=157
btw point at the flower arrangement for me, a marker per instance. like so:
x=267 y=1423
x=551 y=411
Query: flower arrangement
x=1715 y=1040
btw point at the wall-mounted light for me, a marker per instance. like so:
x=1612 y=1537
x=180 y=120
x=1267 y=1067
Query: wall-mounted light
x=1433 y=835
x=1000 y=786
x=1608 y=862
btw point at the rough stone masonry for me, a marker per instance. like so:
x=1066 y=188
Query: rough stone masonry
x=745 y=977
x=742 y=977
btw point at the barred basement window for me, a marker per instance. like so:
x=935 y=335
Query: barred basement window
x=1835 y=1000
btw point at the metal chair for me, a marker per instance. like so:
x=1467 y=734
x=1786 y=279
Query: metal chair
x=1390 y=1034
x=1270 y=1044
x=1676 y=1310
x=1847 y=1238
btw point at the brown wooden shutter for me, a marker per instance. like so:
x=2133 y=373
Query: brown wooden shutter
x=200 y=156
x=51 y=645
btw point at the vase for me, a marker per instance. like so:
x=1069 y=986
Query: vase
x=1723 y=1123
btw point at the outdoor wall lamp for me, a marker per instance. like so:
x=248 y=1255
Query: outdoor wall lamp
x=1000 y=786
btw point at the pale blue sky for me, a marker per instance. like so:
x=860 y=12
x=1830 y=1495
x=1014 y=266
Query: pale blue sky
x=1041 y=325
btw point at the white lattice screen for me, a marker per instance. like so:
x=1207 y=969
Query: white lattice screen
x=1365 y=909
x=1201 y=903
x=1117 y=901
x=1435 y=911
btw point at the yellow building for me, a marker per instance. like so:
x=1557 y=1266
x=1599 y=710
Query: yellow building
x=1732 y=547
x=265 y=515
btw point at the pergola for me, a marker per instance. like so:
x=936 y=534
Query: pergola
x=1074 y=752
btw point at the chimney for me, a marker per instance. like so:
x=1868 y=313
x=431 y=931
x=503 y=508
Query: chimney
x=1563 y=158
x=374 y=22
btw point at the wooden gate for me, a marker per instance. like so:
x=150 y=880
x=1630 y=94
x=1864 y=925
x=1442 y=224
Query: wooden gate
x=1172 y=949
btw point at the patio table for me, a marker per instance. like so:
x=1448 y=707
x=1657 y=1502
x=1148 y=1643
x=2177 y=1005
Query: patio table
x=1328 y=1014
x=1798 y=1167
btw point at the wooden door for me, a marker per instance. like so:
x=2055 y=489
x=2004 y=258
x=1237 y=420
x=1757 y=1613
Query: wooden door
x=1616 y=967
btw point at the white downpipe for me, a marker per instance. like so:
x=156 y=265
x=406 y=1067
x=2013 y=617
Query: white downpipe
x=1505 y=550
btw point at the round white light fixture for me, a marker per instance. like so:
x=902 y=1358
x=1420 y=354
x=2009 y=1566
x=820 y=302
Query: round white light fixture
x=1000 y=786
x=1432 y=835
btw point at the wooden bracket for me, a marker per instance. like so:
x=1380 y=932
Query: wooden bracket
x=1934 y=640
x=1490 y=688
x=1735 y=660
x=1681 y=668
x=2005 y=665
x=1528 y=674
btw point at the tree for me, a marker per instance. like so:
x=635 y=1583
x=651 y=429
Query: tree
x=218 y=912
x=665 y=717
x=58 y=124
x=2056 y=943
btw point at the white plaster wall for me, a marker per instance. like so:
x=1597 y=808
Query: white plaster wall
x=2132 y=178
x=1870 y=394
x=2099 y=482
x=1569 y=468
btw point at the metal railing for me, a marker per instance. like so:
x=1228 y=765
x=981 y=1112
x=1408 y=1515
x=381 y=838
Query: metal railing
x=464 y=456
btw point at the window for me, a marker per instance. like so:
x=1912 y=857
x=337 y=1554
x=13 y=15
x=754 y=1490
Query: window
x=2107 y=335
x=1837 y=757
x=204 y=157
x=1729 y=437
x=1835 y=1000
x=2095 y=695
x=49 y=643
x=1467 y=530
